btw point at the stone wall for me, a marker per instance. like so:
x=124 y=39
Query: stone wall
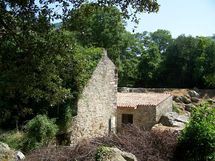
x=97 y=105
x=144 y=90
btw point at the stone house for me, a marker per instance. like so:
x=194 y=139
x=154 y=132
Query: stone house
x=101 y=110
x=142 y=109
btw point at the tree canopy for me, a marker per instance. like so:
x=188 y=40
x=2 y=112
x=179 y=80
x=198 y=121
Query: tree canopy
x=95 y=25
x=161 y=61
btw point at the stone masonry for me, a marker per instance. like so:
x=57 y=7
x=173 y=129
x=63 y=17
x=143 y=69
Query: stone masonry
x=146 y=112
x=97 y=105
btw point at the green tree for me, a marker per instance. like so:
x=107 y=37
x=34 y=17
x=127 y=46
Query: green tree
x=180 y=61
x=32 y=72
x=129 y=59
x=41 y=131
x=97 y=26
x=190 y=58
x=149 y=66
x=209 y=74
x=149 y=57
x=162 y=38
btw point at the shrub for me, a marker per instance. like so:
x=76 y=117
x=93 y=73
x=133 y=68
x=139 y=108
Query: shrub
x=197 y=140
x=13 y=138
x=102 y=152
x=40 y=132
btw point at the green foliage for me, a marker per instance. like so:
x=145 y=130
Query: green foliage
x=128 y=60
x=162 y=38
x=43 y=70
x=192 y=59
x=85 y=61
x=13 y=138
x=197 y=140
x=176 y=108
x=149 y=65
x=98 y=26
x=157 y=60
x=102 y=152
x=40 y=132
x=34 y=67
x=209 y=74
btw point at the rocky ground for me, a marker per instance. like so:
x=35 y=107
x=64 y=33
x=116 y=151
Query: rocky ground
x=184 y=101
x=8 y=154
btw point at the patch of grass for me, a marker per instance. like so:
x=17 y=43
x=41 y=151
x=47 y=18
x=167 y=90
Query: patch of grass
x=176 y=108
x=13 y=138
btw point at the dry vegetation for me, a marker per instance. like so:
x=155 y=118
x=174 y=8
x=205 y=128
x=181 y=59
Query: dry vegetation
x=204 y=93
x=145 y=145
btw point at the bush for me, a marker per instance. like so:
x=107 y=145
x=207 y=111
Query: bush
x=197 y=140
x=101 y=153
x=40 y=132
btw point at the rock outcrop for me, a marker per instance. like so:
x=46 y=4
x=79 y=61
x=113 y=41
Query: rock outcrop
x=173 y=119
x=114 y=154
x=7 y=154
x=193 y=93
x=188 y=101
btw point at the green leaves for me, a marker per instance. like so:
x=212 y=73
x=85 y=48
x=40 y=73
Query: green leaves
x=85 y=61
x=40 y=132
x=33 y=66
x=149 y=65
x=95 y=25
x=192 y=59
x=197 y=140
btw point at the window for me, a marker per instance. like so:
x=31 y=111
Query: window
x=127 y=118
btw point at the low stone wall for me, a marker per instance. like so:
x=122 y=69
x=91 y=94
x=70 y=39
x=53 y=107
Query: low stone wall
x=144 y=90
x=97 y=105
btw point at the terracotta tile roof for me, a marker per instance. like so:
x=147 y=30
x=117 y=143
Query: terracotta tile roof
x=144 y=99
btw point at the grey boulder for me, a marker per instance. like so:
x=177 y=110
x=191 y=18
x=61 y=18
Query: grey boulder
x=193 y=93
x=9 y=154
x=185 y=99
x=117 y=155
x=189 y=107
x=173 y=119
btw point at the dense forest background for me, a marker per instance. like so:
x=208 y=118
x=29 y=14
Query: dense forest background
x=158 y=60
x=44 y=68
